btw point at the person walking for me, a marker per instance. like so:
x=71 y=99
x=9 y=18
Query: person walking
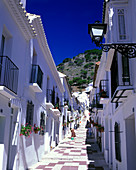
x=73 y=134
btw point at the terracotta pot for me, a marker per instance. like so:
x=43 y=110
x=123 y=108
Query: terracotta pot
x=36 y=131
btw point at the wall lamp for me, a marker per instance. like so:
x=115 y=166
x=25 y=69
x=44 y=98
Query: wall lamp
x=97 y=31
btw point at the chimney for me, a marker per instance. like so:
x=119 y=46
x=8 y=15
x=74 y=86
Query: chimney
x=24 y=3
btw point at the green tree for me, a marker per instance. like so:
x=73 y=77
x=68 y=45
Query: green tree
x=66 y=60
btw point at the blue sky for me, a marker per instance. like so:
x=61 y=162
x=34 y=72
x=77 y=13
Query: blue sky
x=66 y=24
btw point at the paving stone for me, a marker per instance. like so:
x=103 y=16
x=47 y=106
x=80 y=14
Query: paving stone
x=74 y=154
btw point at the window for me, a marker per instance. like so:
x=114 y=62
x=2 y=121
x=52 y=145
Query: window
x=121 y=24
x=42 y=123
x=117 y=142
x=29 y=113
x=125 y=68
x=114 y=75
x=53 y=96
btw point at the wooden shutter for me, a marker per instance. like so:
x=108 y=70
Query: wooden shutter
x=117 y=142
x=42 y=123
x=29 y=113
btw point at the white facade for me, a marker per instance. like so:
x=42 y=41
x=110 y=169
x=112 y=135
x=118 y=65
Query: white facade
x=118 y=74
x=28 y=77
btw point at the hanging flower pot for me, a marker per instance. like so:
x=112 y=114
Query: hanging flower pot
x=95 y=124
x=26 y=130
x=102 y=129
x=36 y=129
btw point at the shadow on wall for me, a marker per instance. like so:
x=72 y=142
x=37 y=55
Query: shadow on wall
x=38 y=141
x=23 y=153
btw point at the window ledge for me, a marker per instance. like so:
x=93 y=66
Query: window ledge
x=35 y=87
x=7 y=93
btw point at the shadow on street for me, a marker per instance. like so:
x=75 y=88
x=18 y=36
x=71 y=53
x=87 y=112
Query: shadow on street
x=93 y=152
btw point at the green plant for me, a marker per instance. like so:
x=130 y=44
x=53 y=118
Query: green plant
x=61 y=64
x=88 y=65
x=60 y=68
x=56 y=105
x=79 y=61
x=66 y=60
x=26 y=130
x=101 y=129
x=71 y=82
x=36 y=128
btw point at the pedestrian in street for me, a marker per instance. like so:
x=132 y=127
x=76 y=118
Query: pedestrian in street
x=90 y=131
x=73 y=134
x=87 y=124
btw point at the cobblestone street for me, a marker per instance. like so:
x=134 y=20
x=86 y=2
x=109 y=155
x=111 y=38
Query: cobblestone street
x=77 y=154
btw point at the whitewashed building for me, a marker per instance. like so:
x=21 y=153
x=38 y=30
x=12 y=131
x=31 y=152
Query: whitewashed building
x=116 y=85
x=65 y=123
x=31 y=90
x=15 y=34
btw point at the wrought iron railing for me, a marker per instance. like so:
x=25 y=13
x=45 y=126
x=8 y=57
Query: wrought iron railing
x=98 y=105
x=116 y=79
x=8 y=74
x=36 y=75
x=104 y=90
x=96 y=102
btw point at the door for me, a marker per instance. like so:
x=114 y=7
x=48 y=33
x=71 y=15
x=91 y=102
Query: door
x=13 y=140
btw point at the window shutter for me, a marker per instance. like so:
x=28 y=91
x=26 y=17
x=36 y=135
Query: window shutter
x=117 y=142
x=29 y=113
x=42 y=123
x=125 y=68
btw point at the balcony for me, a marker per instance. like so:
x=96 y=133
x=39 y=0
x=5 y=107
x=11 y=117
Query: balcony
x=8 y=77
x=36 y=78
x=96 y=103
x=104 y=95
x=121 y=85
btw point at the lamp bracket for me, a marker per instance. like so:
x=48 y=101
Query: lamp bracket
x=128 y=50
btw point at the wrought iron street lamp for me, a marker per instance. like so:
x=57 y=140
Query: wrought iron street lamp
x=97 y=31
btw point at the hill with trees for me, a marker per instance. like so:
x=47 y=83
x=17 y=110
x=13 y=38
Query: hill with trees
x=80 y=69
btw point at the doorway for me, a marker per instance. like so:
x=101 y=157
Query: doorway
x=130 y=142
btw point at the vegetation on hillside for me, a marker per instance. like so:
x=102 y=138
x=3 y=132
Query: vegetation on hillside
x=80 y=69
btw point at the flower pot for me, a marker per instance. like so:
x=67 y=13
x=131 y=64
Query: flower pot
x=102 y=130
x=36 y=131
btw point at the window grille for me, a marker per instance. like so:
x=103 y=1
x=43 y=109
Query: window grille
x=125 y=68
x=29 y=113
x=117 y=142
x=42 y=123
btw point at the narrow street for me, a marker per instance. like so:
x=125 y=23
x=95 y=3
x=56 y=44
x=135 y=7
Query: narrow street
x=78 y=154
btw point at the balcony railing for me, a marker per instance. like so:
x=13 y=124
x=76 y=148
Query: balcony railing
x=36 y=75
x=96 y=102
x=8 y=74
x=98 y=105
x=120 y=81
x=104 y=92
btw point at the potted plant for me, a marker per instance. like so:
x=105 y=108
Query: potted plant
x=26 y=130
x=64 y=124
x=95 y=124
x=57 y=106
x=36 y=129
x=102 y=129
x=103 y=93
